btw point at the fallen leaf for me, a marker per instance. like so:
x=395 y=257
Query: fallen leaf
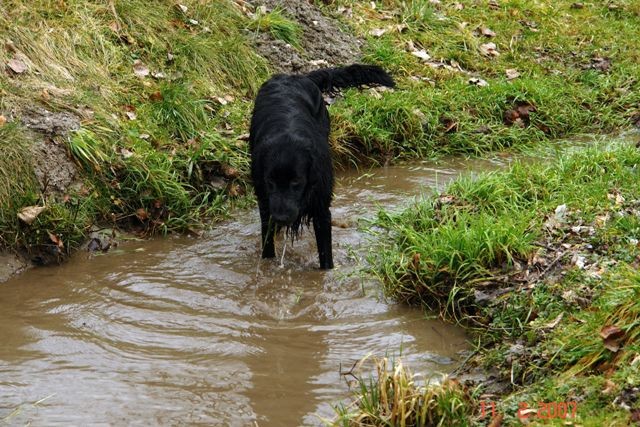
x=158 y=75
x=378 y=32
x=56 y=240
x=17 y=65
x=131 y=115
x=611 y=336
x=114 y=26
x=489 y=49
x=577 y=5
x=611 y=332
x=142 y=214
x=156 y=96
x=243 y=137
x=554 y=322
x=496 y=421
x=478 y=82
x=229 y=171
x=3 y=120
x=139 y=69
x=494 y=4
x=182 y=8
x=30 y=213
x=422 y=54
x=512 y=73
x=483 y=31
x=609 y=387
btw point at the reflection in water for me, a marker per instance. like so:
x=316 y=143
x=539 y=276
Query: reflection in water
x=180 y=330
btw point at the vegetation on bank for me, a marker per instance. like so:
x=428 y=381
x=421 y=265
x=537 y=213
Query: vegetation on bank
x=478 y=76
x=164 y=94
x=540 y=262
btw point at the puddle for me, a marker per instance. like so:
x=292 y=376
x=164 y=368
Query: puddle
x=200 y=331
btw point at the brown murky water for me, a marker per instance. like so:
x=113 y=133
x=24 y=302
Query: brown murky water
x=198 y=331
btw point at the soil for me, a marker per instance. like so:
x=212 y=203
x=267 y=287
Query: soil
x=323 y=42
x=54 y=169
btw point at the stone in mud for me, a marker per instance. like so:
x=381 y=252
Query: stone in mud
x=323 y=41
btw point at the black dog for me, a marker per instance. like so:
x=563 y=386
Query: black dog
x=291 y=164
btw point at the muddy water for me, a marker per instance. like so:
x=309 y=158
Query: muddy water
x=187 y=331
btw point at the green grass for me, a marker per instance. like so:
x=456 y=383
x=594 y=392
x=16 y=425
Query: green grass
x=279 y=25
x=491 y=252
x=553 y=47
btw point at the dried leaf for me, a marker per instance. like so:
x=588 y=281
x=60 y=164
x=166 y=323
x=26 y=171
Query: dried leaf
x=422 y=54
x=139 y=69
x=3 y=120
x=577 y=5
x=131 y=115
x=142 y=214
x=30 y=213
x=609 y=387
x=56 y=240
x=496 y=421
x=611 y=336
x=182 y=8
x=478 y=82
x=489 y=49
x=611 y=332
x=18 y=65
x=229 y=172
x=554 y=322
x=377 y=32
x=512 y=73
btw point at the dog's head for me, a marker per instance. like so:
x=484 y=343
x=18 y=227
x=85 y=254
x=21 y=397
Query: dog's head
x=287 y=184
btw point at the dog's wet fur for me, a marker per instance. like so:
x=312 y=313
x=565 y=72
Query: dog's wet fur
x=291 y=164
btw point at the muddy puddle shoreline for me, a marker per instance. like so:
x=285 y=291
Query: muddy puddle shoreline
x=201 y=331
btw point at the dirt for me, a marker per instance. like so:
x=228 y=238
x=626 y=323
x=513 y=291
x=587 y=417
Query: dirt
x=323 y=42
x=55 y=171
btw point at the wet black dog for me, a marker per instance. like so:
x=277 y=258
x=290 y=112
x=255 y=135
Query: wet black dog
x=291 y=164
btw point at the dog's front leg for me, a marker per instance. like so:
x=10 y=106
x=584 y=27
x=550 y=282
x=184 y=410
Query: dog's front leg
x=322 y=229
x=268 y=231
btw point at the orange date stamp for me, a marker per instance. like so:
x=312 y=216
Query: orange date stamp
x=543 y=410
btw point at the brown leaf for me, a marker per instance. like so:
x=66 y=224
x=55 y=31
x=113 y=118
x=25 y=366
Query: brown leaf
x=611 y=336
x=489 y=49
x=156 y=96
x=577 y=5
x=611 y=332
x=229 y=172
x=235 y=190
x=3 y=120
x=17 y=65
x=30 y=213
x=512 y=73
x=140 y=69
x=56 y=240
x=555 y=322
x=483 y=31
x=142 y=214
x=496 y=421
x=609 y=387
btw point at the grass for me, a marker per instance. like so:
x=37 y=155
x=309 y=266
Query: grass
x=393 y=396
x=538 y=261
x=577 y=67
x=157 y=137
x=279 y=25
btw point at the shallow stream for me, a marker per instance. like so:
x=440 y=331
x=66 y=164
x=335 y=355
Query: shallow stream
x=200 y=331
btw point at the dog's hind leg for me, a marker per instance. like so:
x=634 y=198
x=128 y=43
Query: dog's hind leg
x=268 y=232
x=322 y=229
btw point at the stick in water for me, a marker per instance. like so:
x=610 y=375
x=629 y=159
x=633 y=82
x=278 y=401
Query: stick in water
x=284 y=249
